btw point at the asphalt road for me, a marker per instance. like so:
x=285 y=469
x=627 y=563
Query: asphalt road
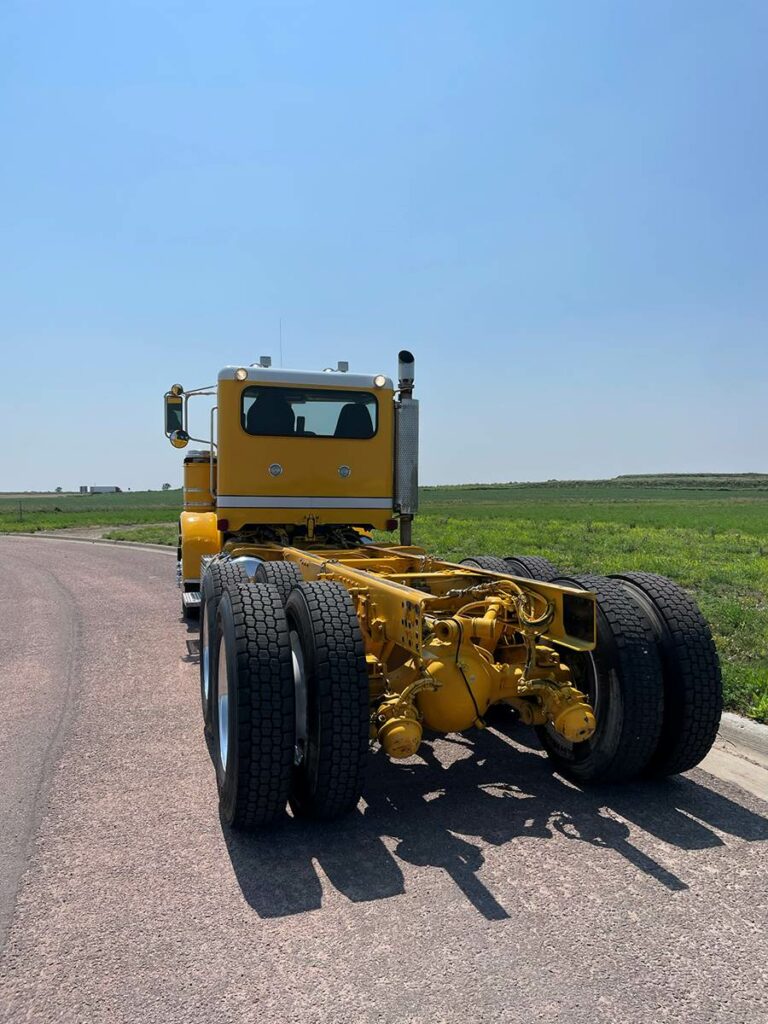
x=471 y=885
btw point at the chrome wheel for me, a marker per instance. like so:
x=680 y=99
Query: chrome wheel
x=223 y=707
x=300 y=690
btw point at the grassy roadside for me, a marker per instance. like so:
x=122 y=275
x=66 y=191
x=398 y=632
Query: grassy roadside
x=708 y=534
x=726 y=572
x=146 y=535
x=28 y=513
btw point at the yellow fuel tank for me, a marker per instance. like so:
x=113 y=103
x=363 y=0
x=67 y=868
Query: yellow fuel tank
x=197 y=482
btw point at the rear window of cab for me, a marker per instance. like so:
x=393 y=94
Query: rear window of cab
x=309 y=412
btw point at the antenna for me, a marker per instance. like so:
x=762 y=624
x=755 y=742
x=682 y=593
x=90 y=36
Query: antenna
x=281 y=342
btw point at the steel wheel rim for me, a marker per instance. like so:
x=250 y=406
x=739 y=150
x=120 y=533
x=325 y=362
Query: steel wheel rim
x=592 y=688
x=300 y=696
x=223 y=707
x=206 y=658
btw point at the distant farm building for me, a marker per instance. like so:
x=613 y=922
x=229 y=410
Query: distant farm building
x=84 y=489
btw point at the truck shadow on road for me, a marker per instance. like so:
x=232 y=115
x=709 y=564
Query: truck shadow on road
x=463 y=795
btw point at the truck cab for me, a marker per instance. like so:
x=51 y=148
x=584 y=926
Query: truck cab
x=305 y=450
x=295 y=454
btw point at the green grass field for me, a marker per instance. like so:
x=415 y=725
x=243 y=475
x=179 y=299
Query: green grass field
x=710 y=533
x=32 y=512
x=711 y=539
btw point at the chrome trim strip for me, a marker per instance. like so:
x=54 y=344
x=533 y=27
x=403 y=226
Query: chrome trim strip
x=263 y=501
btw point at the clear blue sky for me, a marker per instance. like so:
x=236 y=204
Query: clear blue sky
x=561 y=208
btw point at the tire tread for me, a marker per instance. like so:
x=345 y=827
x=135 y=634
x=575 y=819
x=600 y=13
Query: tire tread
x=534 y=567
x=281 y=574
x=340 y=678
x=692 y=676
x=637 y=665
x=488 y=562
x=264 y=693
x=219 y=572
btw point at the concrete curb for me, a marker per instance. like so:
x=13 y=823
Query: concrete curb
x=169 y=549
x=739 y=755
x=749 y=739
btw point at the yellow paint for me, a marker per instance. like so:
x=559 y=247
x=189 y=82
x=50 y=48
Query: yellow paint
x=197 y=483
x=450 y=707
x=399 y=729
x=199 y=537
x=451 y=640
x=310 y=466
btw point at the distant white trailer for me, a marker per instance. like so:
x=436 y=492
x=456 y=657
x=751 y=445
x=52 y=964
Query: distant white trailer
x=105 y=490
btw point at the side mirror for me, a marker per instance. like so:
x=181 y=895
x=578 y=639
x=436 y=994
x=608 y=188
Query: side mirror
x=174 y=413
x=179 y=439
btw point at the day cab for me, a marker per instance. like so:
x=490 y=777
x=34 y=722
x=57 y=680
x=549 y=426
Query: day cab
x=294 y=454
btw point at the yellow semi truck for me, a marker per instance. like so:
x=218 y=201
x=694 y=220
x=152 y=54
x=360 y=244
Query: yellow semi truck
x=319 y=641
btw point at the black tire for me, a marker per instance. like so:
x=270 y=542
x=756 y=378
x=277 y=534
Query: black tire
x=488 y=562
x=693 y=685
x=254 y=727
x=283 y=575
x=323 y=623
x=218 y=574
x=532 y=567
x=623 y=681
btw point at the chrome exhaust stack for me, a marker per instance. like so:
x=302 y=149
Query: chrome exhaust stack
x=406 y=447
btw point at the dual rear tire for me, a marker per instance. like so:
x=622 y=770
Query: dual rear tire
x=329 y=654
x=690 y=672
x=288 y=702
x=622 y=681
x=253 y=705
x=653 y=680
